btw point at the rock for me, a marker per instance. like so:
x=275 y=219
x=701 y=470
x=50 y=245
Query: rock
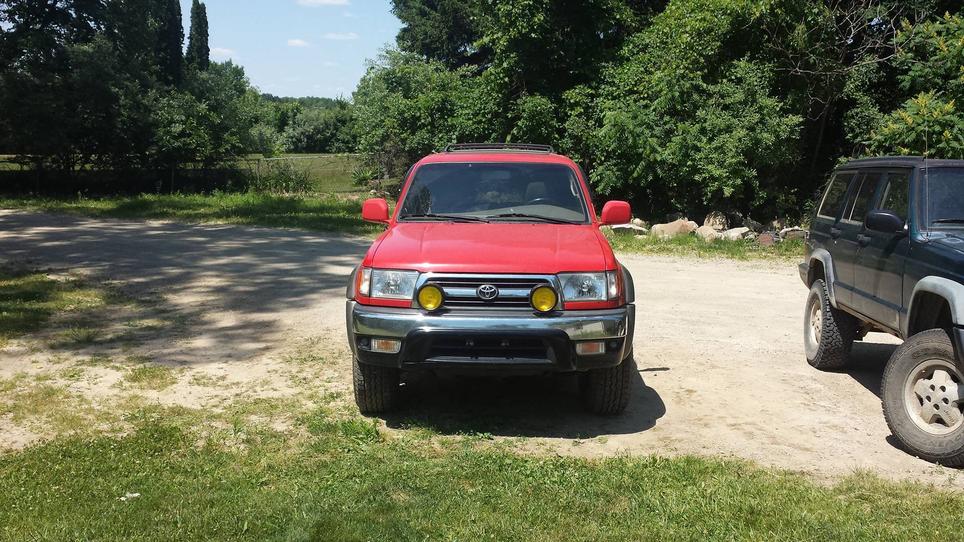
x=708 y=233
x=768 y=239
x=639 y=222
x=753 y=225
x=673 y=229
x=629 y=229
x=789 y=234
x=717 y=221
x=736 y=234
x=777 y=224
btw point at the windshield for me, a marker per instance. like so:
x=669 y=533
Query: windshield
x=945 y=197
x=495 y=192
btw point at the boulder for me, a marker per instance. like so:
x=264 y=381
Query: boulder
x=789 y=234
x=640 y=222
x=736 y=234
x=717 y=221
x=768 y=239
x=753 y=225
x=708 y=233
x=673 y=229
x=629 y=229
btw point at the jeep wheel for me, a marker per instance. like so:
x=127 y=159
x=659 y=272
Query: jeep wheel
x=828 y=333
x=923 y=398
x=606 y=391
x=376 y=388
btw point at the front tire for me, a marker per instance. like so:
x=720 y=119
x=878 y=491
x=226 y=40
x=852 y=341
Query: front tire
x=828 y=333
x=376 y=388
x=923 y=398
x=606 y=391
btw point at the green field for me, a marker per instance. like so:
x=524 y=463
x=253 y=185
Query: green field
x=178 y=476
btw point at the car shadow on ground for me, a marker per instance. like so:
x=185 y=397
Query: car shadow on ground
x=867 y=364
x=531 y=406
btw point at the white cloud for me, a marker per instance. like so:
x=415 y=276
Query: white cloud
x=222 y=52
x=316 y=3
x=298 y=43
x=341 y=36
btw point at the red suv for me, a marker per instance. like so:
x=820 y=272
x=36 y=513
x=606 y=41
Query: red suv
x=492 y=261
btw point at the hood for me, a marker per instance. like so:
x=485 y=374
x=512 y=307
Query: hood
x=948 y=240
x=492 y=248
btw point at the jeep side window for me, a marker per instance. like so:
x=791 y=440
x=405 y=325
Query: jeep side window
x=834 y=198
x=861 y=199
x=897 y=194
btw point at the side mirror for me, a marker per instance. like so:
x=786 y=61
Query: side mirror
x=884 y=221
x=375 y=210
x=616 y=212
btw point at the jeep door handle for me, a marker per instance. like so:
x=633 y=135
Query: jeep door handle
x=863 y=240
x=835 y=232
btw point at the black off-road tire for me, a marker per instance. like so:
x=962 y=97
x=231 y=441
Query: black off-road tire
x=606 y=391
x=376 y=388
x=838 y=331
x=946 y=449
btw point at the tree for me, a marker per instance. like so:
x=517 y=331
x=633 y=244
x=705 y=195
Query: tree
x=198 y=50
x=442 y=30
x=170 y=42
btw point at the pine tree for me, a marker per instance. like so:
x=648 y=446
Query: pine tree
x=198 y=49
x=170 y=42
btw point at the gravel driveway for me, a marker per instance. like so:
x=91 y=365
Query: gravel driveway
x=718 y=345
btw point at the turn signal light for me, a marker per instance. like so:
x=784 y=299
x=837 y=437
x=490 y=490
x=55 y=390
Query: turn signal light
x=543 y=299
x=430 y=297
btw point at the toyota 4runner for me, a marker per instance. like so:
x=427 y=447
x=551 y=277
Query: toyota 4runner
x=886 y=253
x=493 y=261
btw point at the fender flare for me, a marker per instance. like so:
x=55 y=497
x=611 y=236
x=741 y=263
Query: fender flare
x=823 y=256
x=953 y=293
x=350 y=289
x=948 y=289
x=628 y=285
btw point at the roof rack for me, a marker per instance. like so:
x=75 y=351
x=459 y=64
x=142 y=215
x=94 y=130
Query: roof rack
x=517 y=147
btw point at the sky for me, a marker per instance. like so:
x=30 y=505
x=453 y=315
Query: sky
x=299 y=47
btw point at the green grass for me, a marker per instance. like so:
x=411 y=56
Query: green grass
x=320 y=213
x=691 y=245
x=330 y=173
x=28 y=299
x=164 y=480
x=151 y=377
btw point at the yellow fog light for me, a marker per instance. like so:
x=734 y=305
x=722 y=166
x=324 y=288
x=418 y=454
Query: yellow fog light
x=543 y=299
x=430 y=297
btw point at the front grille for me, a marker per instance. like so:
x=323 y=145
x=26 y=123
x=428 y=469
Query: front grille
x=462 y=292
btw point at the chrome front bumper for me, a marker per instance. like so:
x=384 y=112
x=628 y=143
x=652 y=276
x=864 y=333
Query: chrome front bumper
x=560 y=332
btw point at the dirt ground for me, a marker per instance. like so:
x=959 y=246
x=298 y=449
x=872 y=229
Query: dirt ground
x=718 y=346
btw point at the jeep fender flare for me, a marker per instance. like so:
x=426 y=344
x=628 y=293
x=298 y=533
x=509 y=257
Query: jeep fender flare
x=950 y=291
x=829 y=274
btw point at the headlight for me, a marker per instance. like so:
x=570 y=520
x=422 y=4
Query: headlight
x=589 y=286
x=390 y=284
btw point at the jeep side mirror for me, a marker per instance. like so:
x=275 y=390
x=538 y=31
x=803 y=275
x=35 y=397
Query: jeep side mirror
x=375 y=210
x=616 y=212
x=884 y=221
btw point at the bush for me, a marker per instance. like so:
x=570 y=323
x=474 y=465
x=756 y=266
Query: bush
x=279 y=177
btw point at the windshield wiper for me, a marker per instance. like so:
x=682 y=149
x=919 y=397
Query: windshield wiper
x=948 y=221
x=534 y=217
x=436 y=216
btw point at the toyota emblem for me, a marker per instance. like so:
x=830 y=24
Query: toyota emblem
x=488 y=292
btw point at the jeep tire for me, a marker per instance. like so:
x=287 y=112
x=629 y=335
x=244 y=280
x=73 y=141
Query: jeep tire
x=606 y=391
x=923 y=397
x=376 y=388
x=828 y=333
